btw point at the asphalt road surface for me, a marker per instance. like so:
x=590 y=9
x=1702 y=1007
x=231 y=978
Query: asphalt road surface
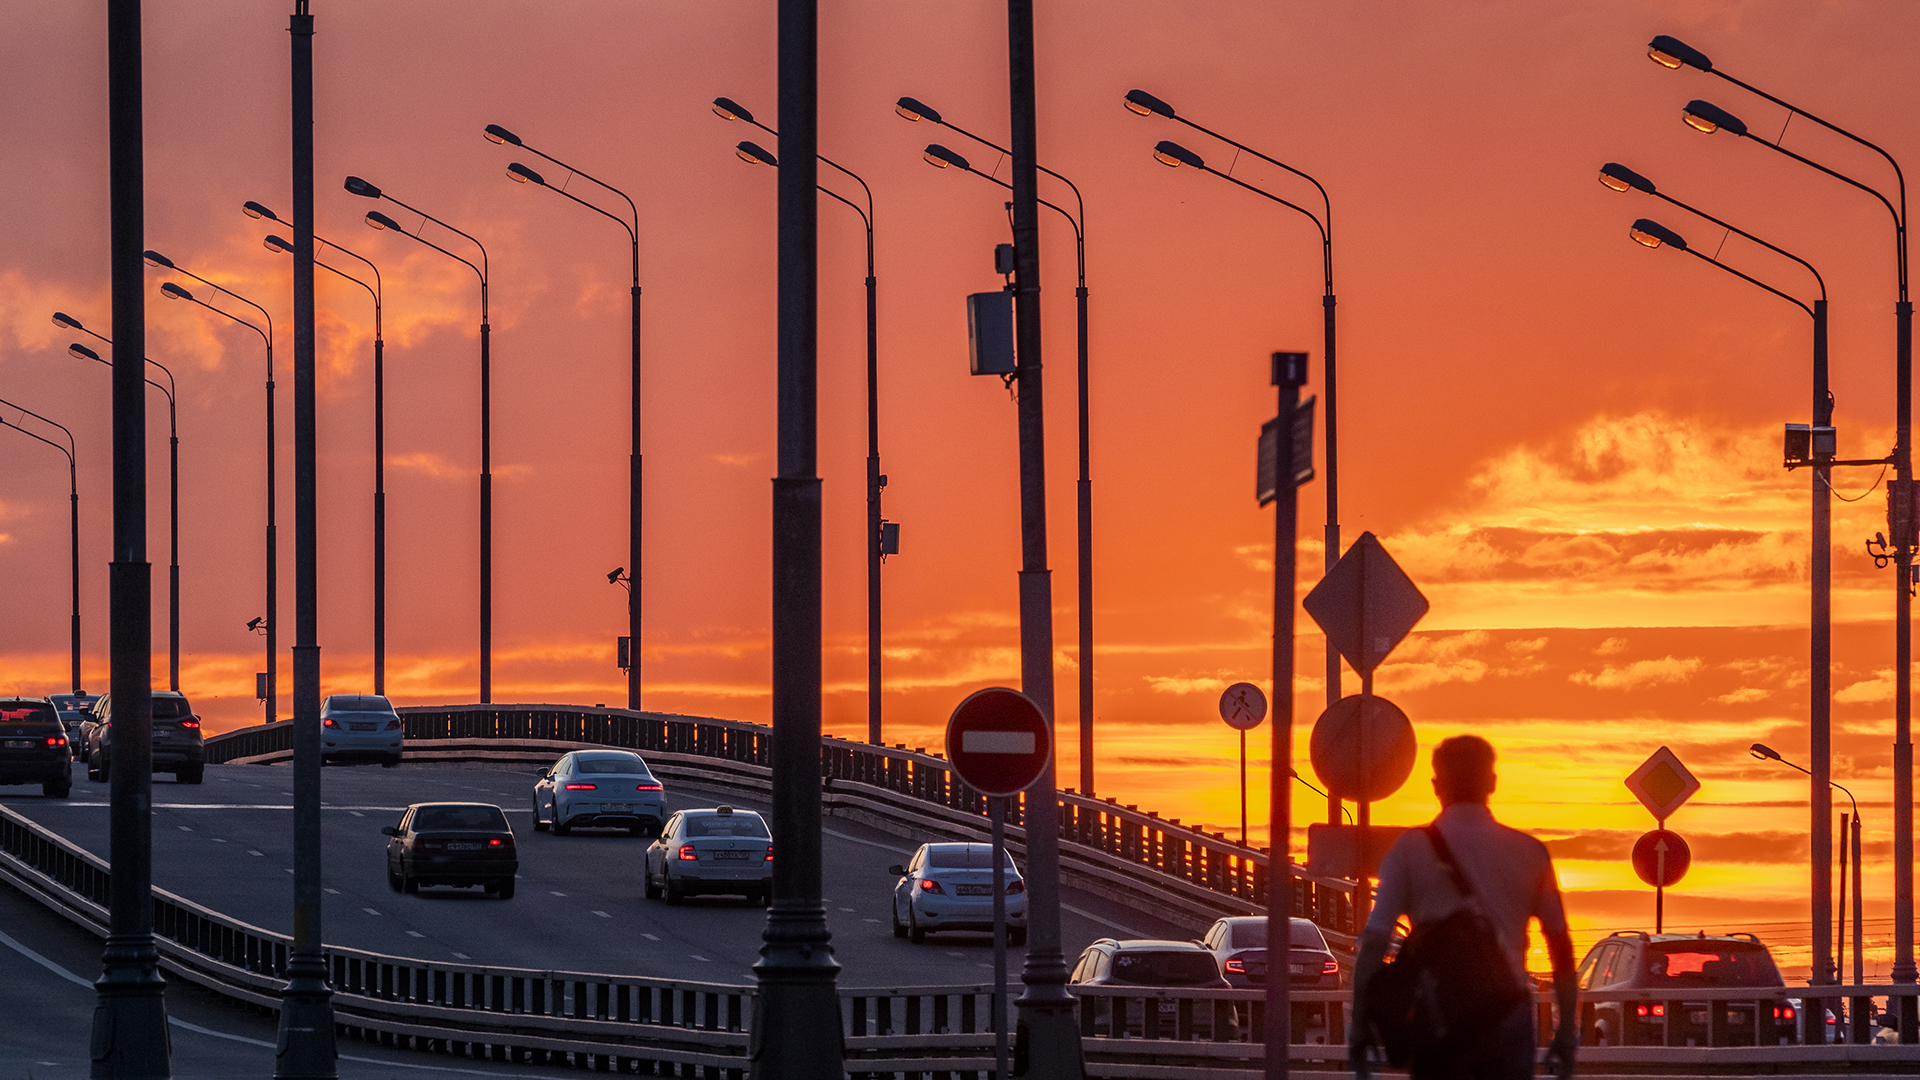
x=227 y=844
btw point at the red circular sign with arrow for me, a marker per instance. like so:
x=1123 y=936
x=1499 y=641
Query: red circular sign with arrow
x=998 y=741
x=1661 y=858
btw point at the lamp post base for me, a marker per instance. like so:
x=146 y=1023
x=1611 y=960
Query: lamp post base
x=130 y=1039
x=1047 y=1038
x=306 y=1049
x=797 y=1032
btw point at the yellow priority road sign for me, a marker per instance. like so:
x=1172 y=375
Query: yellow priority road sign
x=1662 y=784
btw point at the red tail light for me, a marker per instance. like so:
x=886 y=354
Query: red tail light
x=687 y=854
x=1016 y=886
x=582 y=787
x=1330 y=967
x=1238 y=967
x=769 y=857
x=329 y=722
x=648 y=787
x=1650 y=1010
x=493 y=843
x=1783 y=1012
x=932 y=886
x=56 y=740
x=393 y=725
x=190 y=723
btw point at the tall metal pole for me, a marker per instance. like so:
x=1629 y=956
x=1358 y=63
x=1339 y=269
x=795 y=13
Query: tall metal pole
x=130 y=1015
x=1820 y=796
x=1903 y=964
x=796 y=1030
x=1289 y=372
x=379 y=504
x=486 y=502
x=1048 y=1043
x=1331 y=551
x=634 y=503
x=306 y=1047
x=73 y=522
x=1083 y=521
x=273 y=560
x=173 y=542
x=873 y=497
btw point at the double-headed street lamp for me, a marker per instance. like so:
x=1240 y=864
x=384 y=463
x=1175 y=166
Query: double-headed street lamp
x=1671 y=52
x=940 y=157
x=752 y=153
x=377 y=292
x=379 y=220
x=631 y=225
x=174 y=292
x=73 y=511
x=81 y=352
x=1861 y=1009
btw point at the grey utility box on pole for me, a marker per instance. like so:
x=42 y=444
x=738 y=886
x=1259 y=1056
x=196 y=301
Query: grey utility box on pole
x=990 y=333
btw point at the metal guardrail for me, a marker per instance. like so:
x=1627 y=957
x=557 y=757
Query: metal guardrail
x=1189 y=874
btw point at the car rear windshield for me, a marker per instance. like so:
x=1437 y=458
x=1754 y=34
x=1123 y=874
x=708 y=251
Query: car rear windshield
x=618 y=766
x=971 y=856
x=459 y=817
x=28 y=712
x=726 y=825
x=171 y=708
x=1165 y=968
x=358 y=703
x=1709 y=963
x=1300 y=935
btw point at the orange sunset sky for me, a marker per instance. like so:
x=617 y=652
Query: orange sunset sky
x=1570 y=442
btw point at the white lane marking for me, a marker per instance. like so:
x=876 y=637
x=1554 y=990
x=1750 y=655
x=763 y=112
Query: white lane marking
x=261 y=854
x=184 y=828
x=870 y=920
x=335 y=892
x=846 y=909
x=415 y=933
x=700 y=958
x=44 y=962
x=356 y=813
x=371 y=911
x=556 y=892
x=860 y=840
x=648 y=936
x=950 y=952
x=288 y=869
x=217 y=840
x=463 y=956
x=603 y=914
x=1122 y=927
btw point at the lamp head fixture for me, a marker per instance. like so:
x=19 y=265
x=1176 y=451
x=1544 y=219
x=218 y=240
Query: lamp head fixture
x=360 y=187
x=940 y=157
x=1671 y=52
x=754 y=154
x=174 y=292
x=255 y=210
x=276 y=243
x=381 y=221
x=496 y=134
x=916 y=110
x=1706 y=117
x=1620 y=178
x=728 y=109
x=81 y=352
x=154 y=258
x=66 y=322
x=1139 y=101
x=520 y=174
x=1173 y=155
x=1765 y=752
x=1653 y=234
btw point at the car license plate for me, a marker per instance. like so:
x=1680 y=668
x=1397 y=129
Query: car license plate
x=615 y=808
x=975 y=890
x=465 y=845
x=363 y=727
x=739 y=855
x=19 y=744
x=1296 y=969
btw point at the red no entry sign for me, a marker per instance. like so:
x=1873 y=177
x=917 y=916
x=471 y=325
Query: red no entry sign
x=998 y=741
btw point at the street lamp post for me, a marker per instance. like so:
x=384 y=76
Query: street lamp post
x=916 y=111
x=728 y=109
x=175 y=292
x=73 y=511
x=79 y=351
x=1862 y=1008
x=1651 y=234
x=378 y=293
x=521 y=174
x=1142 y=103
x=381 y=221
x=1670 y=52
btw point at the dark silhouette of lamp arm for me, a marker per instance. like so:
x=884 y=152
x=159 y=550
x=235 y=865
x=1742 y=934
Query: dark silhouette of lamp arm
x=1618 y=177
x=1142 y=103
x=258 y=211
x=1767 y=753
x=915 y=111
x=942 y=158
x=79 y=351
x=381 y=221
x=155 y=259
x=1651 y=234
x=519 y=173
x=729 y=109
x=1173 y=155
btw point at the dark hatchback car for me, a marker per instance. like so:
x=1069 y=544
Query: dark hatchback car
x=33 y=746
x=1167 y=966
x=1674 y=964
x=74 y=710
x=178 y=747
x=458 y=844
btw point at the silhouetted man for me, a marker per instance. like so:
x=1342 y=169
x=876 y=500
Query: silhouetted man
x=1512 y=880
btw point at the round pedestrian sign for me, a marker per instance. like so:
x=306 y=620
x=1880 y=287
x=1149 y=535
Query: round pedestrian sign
x=1243 y=706
x=1661 y=858
x=998 y=741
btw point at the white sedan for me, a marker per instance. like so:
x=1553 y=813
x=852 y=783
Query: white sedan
x=599 y=788
x=950 y=887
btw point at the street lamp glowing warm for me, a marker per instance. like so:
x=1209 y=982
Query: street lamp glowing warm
x=1173 y=155
x=1620 y=178
x=154 y=258
x=275 y=243
x=916 y=110
x=82 y=352
x=1653 y=234
x=729 y=109
x=381 y=221
x=1764 y=752
x=1145 y=104
x=67 y=322
x=520 y=174
x=255 y=210
x=940 y=157
x=496 y=134
x=1671 y=52
x=174 y=292
x=1706 y=117
x=755 y=154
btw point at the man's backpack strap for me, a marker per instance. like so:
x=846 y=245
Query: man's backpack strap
x=1445 y=854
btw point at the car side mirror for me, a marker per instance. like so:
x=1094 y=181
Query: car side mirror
x=389 y=830
x=897 y=870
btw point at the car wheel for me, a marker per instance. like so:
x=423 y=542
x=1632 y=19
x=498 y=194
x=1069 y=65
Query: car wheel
x=408 y=883
x=561 y=828
x=674 y=893
x=539 y=824
x=57 y=789
x=914 y=933
x=393 y=880
x=1016 y=935
x=899 y=931
x=651 y=890
x=504 y=887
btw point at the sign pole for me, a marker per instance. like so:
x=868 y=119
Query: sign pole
x=1660 y=883
x=1243 y=789
x=1289 y=372
x=997 y=813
